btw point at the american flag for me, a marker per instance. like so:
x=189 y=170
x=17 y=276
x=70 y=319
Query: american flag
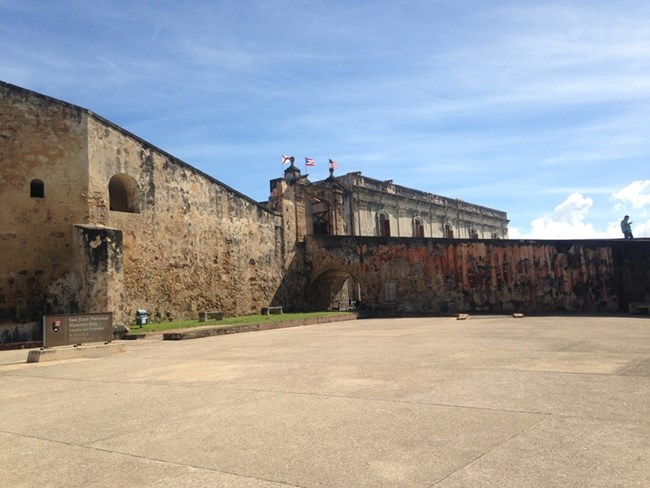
x=333 y=164
x=310 y=162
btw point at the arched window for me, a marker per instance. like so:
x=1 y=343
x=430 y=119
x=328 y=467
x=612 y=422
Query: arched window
x=123 y=194
x=383 y=224
x=448 y=230
x=473 y=233
x=495 y=235
x=418 y=227
x=37 y=189
x=320 y=214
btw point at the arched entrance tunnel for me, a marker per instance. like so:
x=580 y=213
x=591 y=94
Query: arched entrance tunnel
x=334 y=290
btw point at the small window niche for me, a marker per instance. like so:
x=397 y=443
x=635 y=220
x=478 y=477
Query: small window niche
x=123 y=194
x=37 y=189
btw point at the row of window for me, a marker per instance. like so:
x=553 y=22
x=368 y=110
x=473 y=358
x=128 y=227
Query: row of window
x=320 y=220
x=383 y=228
x=122 y=193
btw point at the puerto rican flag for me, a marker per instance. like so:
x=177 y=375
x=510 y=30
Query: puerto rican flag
x=310 y=161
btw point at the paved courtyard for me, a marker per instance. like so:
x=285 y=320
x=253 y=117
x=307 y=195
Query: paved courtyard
x=423 y=402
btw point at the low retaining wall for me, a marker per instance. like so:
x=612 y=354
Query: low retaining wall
x=198 y=332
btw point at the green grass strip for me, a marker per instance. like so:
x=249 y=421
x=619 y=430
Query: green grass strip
x=226 y=322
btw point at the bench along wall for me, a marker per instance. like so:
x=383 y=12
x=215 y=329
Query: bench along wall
x=432 y=276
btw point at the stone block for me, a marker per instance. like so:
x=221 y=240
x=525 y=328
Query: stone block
x=272 y=311
x=120 y=330
x=204 y=316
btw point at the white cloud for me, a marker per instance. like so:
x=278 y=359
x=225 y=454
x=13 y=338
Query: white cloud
x=566 y=222
x=636 y=195
x=570 y=219
x=574 y=209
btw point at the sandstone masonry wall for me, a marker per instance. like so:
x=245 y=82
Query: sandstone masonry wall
x=122 y=225
x=193 y=244
x=40 y=140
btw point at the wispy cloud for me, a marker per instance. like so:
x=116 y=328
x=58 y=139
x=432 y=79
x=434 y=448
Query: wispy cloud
x=636 y=195
x=521 y=106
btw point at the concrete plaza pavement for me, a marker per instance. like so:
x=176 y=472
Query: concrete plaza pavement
x=413 y=402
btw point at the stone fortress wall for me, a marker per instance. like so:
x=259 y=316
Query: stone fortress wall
x=95 y=219
x=190 y=242
x=444 y=276
x=43 y=144
x=175 y=242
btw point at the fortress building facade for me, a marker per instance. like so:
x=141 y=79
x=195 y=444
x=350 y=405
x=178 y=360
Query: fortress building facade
x=356 y=205
x=94 y=219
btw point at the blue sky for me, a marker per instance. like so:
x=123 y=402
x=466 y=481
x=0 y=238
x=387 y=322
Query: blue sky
x=540 y=109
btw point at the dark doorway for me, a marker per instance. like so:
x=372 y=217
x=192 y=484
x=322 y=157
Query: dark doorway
x=334 y=290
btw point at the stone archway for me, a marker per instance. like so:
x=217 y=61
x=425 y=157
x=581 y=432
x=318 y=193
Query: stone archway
x=335 y=289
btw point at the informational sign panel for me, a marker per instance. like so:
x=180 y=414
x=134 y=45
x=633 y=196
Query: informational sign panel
x=63 y=330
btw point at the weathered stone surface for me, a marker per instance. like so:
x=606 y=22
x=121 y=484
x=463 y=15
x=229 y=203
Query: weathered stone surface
x=122 y=225
x=45 y=141
x=440 y=276
x=194 y=243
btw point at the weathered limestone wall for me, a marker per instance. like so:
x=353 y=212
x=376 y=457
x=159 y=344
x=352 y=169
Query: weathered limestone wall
x=316 y=199
x=193 y=244
x=450 y=276
x=41 y=140
x=288 y=201
x=98 y=261
x=177 y=243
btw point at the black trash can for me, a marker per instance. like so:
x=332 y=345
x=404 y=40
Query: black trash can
x=141 y=317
